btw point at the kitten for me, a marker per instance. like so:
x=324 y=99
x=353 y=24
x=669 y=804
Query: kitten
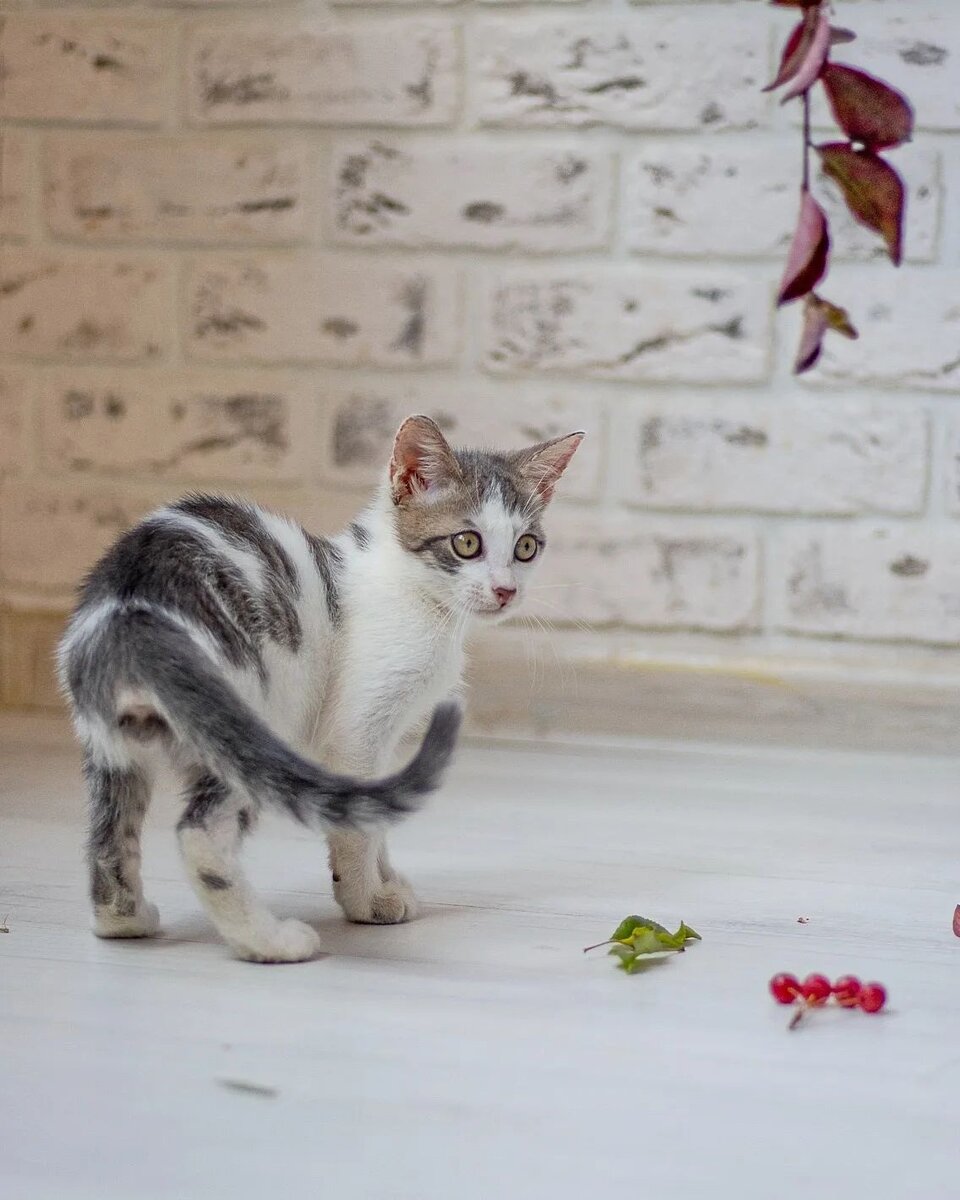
x=230 y=641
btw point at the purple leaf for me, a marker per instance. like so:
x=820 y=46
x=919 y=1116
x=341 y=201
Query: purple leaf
x=809 y=250
x=873 y=190
x=814 y=56
x=819 y=316
x=791 y=57
x=867 y=109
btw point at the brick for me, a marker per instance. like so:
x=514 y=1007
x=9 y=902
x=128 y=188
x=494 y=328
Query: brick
x=870 y=581
x=104 y=306
x=186 y=425
x=365 y=417
x=14 y=184
x=209 y=188
x=342 y=311
x=50 y=535
x=909 y=325
x=685 y=326
x=363 y=4
x=684 y=200
x=611 y=569
x=302 y=70
x=72 y=66
x=387 y=193
x=836 y=457
x=660 y=70
x=14 y=420
x=951 y=470
x=915 y=49
x=217 y=4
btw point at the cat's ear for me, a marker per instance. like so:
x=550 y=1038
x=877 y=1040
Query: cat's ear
x=422 y=460
x=542 y=465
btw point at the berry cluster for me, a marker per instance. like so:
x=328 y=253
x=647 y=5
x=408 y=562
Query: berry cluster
x=816 y=990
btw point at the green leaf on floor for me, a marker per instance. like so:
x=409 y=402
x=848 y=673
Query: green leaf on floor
x=639 y=939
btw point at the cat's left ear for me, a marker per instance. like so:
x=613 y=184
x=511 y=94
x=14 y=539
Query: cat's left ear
x=422 y=460
x=542 y=465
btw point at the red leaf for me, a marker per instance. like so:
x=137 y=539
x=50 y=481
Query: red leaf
x=807 y=260
x=804 y=54
x=956 y=920
x=867 y=109
x=873 y=190
x=791 y=57
x=815 y=54
x=819 y=316
x=794 y=3
x=811 y=339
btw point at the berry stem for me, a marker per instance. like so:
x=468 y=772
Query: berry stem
x=801 y=1012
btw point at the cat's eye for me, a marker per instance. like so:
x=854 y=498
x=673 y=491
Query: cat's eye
x=526 y=548
x=466 y=544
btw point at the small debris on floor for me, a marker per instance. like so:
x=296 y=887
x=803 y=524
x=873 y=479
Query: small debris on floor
x=956 y=920
x=5 y=928
x=803 y=920
x=252 y=1089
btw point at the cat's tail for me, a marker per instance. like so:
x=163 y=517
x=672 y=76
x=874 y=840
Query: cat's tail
x=142 y=650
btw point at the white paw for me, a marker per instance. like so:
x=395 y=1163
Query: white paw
x=289 y=941
x=391 y=904
x=143 y=923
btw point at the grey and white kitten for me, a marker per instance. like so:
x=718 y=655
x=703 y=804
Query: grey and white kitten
x=232 y=642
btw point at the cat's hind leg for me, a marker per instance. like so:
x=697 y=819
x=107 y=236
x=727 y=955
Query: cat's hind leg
x=119 y=795
x=211 y=832
x=365 y=885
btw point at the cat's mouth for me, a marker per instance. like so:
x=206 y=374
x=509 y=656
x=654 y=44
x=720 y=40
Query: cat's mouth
x=494 y=612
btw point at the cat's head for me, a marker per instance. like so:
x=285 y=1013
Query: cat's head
x=473 y=518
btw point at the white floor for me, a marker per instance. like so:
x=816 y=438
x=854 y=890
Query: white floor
x=477 y=1054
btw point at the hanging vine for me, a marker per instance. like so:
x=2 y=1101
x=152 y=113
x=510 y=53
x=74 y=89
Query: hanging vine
x=873 y=117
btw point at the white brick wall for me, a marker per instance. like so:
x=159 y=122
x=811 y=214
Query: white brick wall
x=192 y=188
x=240 y=239
x=303 y=70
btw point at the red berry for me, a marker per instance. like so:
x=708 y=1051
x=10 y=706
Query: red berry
x=816 y=989
x=873 y=996
x=784 y=988
x=846 y=991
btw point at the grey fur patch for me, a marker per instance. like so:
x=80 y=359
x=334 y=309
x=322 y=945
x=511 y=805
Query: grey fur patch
x=242 y=525
x=216 y=883
x=360 y=535
x=203 y=798
x=143 y=727
x=178 y=569
x=118 y=802
x=440 y=552
x=244 y=820
x=329 y=563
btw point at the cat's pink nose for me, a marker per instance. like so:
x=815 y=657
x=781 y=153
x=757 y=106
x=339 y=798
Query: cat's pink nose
x=504 y=595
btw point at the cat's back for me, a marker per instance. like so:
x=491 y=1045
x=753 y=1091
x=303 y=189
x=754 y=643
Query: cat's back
x=250 y=580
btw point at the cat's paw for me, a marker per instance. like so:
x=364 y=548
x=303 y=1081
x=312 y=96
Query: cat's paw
x=142 y=924
x=391 y=904
x=288 y=942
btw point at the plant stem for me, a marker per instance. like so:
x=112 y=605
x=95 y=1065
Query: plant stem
x=806 y=141
x=608 y=942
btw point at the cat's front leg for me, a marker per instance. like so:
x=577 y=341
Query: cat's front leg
x=365 y=885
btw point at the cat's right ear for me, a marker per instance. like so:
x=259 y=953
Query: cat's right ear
x=422 y=460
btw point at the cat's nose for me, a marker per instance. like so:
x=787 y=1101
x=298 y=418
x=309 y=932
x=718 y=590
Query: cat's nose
x=504 y=595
